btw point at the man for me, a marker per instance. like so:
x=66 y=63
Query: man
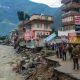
x=64 y=53
x=75 y=54
x=70 y=48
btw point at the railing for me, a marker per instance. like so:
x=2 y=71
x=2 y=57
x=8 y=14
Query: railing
x=39 y=17
x=70 y=12
x=71 y=5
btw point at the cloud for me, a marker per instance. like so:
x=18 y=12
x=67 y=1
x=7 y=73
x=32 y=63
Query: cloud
x=51 y=3
x=5 y=7
x=8 y=22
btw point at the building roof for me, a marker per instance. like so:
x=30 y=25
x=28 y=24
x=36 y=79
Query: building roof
x=42 y=15
x=71 y=14
x=35 y=20
x=65 y=1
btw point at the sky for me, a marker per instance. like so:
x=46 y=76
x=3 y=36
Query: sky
x=51 y=3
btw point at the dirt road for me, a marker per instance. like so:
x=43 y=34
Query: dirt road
x=8 y=55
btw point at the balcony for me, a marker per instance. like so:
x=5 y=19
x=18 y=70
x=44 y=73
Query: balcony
x=71 y=20
x=41 y=29
x=41 y=17
x=68 y=20
x=70 y=13
x=68 y=23
x=71 y=5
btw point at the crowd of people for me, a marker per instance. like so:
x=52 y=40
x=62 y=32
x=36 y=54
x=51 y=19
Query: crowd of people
x=71 y=51
x=63 y=50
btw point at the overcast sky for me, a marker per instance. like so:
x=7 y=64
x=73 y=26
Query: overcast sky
x=51 y=3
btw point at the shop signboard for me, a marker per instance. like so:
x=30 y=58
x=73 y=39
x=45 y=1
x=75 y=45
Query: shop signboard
x=77 y=20
x=74 y=37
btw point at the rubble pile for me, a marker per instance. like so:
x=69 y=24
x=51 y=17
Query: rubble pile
x=36 y=67
x=42 y=72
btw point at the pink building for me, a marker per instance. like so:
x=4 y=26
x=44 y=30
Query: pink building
x=39 y=24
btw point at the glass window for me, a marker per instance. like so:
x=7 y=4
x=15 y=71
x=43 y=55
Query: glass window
x=40 y=25
x=37 y=34
x=37 y=25
x=46 y=26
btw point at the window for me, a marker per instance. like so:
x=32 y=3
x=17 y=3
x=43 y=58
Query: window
x=37 y=34
x=67 y=19
x=39 y=25
x=46 y=26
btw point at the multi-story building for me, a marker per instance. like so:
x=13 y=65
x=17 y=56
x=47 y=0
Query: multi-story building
x=39 y=24
x=71 y=14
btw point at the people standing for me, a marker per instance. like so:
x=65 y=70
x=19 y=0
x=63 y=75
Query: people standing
x=75 y=54
x=15 y=42
x=70 y=48
x=64 y=53
x=61 y=46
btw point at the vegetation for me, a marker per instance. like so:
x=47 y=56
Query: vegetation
x=22 y=16
x=3 y=37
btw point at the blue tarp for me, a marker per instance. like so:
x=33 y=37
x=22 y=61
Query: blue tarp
x=50 y=37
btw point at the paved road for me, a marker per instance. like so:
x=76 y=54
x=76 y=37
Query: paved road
x=7 y=55
x=66 y=67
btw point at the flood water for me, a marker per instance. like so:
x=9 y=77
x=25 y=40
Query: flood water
x=7 y=56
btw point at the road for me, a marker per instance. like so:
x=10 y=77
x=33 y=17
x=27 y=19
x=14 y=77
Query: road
x=66 y=67
x=7 y=56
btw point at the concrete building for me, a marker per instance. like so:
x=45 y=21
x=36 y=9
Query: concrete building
x=71 y=14
x=39 y=24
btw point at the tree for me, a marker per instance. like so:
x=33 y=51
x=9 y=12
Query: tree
x=22 y=17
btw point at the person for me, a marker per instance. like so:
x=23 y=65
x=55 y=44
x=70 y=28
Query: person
x=15 y=42
x=75 y=54
x=57 y=50
x=46 y=45
x=52 y=46
x=64 y=53
x=60 y=49
x=70 y=48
